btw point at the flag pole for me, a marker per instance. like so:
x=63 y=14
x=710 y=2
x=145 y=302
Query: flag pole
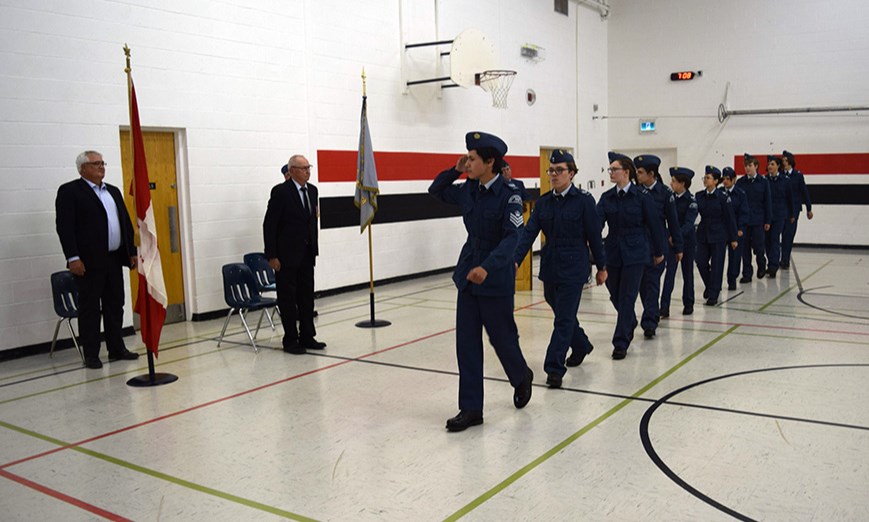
x=372 y=322
x=152 y=378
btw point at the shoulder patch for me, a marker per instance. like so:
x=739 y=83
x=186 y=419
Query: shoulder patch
x=516 y=219
x=515 y=198
x=512 y=185
x=693 y=204
x=672 y=198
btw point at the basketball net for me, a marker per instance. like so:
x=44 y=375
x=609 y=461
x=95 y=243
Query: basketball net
x=497 y=83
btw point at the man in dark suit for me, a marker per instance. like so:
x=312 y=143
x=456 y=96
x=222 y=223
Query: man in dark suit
x=290 y=235
x=97 y=239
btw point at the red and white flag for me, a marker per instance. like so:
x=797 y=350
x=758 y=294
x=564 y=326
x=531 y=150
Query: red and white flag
x=152 y=301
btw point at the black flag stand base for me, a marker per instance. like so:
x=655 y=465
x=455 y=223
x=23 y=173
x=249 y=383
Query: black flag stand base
x=372 y=323
x=152 y=379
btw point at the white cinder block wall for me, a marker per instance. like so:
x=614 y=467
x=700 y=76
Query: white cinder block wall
x=783 y=54
x=245 y=84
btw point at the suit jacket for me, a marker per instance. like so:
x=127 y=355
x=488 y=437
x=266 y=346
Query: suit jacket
x=717 y=221
x=759 y=197
x=287 y=228
x=83 y=227
x=635 y=230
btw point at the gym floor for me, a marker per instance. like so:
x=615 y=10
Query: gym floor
x=752 y=409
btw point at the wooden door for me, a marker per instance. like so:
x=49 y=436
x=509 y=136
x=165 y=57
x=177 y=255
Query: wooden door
x=160 y=155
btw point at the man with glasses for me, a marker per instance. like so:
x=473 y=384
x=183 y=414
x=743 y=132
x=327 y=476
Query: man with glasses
x=96 y=235
x=290 y=235
x=567 y=217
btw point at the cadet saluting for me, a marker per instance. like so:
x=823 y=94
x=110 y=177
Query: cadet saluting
x=566 y=215
x=484 y=275
x=635 y=236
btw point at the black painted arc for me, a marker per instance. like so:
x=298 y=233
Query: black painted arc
x=650 y=450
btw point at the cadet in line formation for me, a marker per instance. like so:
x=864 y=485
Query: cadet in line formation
x=651 y=232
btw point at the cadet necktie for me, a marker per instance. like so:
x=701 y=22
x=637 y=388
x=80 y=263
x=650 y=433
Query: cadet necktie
x=621 y=193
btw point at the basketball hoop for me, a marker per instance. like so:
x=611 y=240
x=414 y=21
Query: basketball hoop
x=498 y=83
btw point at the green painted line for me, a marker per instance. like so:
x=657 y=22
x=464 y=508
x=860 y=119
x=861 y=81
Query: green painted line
x=161 y=476
x=776 y=298
x=585 y=429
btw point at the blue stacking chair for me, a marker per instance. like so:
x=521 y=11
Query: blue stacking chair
x=265 y=278
x=65 y=295
x=241 y=293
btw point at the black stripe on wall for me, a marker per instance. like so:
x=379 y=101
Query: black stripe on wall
x=337 y=212
x=839 y=194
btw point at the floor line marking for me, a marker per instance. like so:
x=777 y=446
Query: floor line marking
x=588 y=427
x=63 y=497
x=799 y=283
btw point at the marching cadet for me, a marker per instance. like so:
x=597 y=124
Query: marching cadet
x=756 y=189
x=739 y=202
x=782 y=212
x=801 y=197
x=634 y=237
x=485 y=274
x=665 y=209
x=686 y=210
x=717 y=227
x=567 y=217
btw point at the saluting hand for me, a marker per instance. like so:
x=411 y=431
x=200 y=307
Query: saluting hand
x=275 y=263
x=477 y=275
x=462 y=164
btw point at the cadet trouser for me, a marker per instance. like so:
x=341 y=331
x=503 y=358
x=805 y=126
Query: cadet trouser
x=495 y=313
x=734 y=259
x=754 y=242
x=773 y=243
x=787 y=239
x=564 y=300
x=650 y=292
x=687 y=265
x=623 y=283
x=710 y=265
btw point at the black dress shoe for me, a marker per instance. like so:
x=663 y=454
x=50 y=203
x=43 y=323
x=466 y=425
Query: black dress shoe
x=464 y=420
x=705 y=294
x=648 y=333
x=761 y=272
x=312 y=344
x=711 y=302
x=522 y=393
x=93 y=363
x=688 y=310
x=619 y=353
x=665 y=313
x=576 y=357
x=745 y=280
x=785 y=266
x=553 y=381
x=295 y=348
x=771 y=272
x=126 y=355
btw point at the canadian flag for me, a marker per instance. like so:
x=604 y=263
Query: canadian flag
x=152 y=301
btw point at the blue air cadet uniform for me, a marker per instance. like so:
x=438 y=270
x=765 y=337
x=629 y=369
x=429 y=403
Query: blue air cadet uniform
x=493 y=218
x=716 y=229
x=739 y=202
x=801 y=197
x=757 y=193
x=686 y=210
x=782 y=198
x=665 y=210
x=635 y=235
x=571 y=226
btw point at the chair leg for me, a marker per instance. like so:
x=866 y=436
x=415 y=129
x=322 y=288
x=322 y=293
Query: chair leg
x=74 y=340
x=260 y=322
x=246 y=329
x=231 y=310
x=54 y=339
x=269 y=317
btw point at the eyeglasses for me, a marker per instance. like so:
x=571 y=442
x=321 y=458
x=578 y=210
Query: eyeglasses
x=96 y=163
x=308 y=168
x=557 y=171
x=611 y=170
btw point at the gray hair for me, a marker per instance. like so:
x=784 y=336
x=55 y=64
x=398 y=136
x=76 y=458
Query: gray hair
x=293 y=158
x=82 y=158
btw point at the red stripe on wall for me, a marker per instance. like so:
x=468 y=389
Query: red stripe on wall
x=340 y=165
x=816 y=164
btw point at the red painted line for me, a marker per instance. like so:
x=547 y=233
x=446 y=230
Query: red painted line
x=63 y=497
x=216 y=401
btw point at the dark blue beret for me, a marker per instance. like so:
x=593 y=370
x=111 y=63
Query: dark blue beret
x=615 y=155
x=688 y=173
x=728 y=172
x=713 y=170
x=773 y=158
x=478 y=140
x=789 y=156
x=284 y=169
x=560 y=156
x=747 y=156
x=647 y=161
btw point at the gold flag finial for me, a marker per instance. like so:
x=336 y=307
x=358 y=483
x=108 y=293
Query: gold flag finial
x=127 y=54
x=363 y=82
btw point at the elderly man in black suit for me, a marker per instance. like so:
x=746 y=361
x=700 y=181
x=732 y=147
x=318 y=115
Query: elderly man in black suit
x=97 y=240
x=290 y=234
